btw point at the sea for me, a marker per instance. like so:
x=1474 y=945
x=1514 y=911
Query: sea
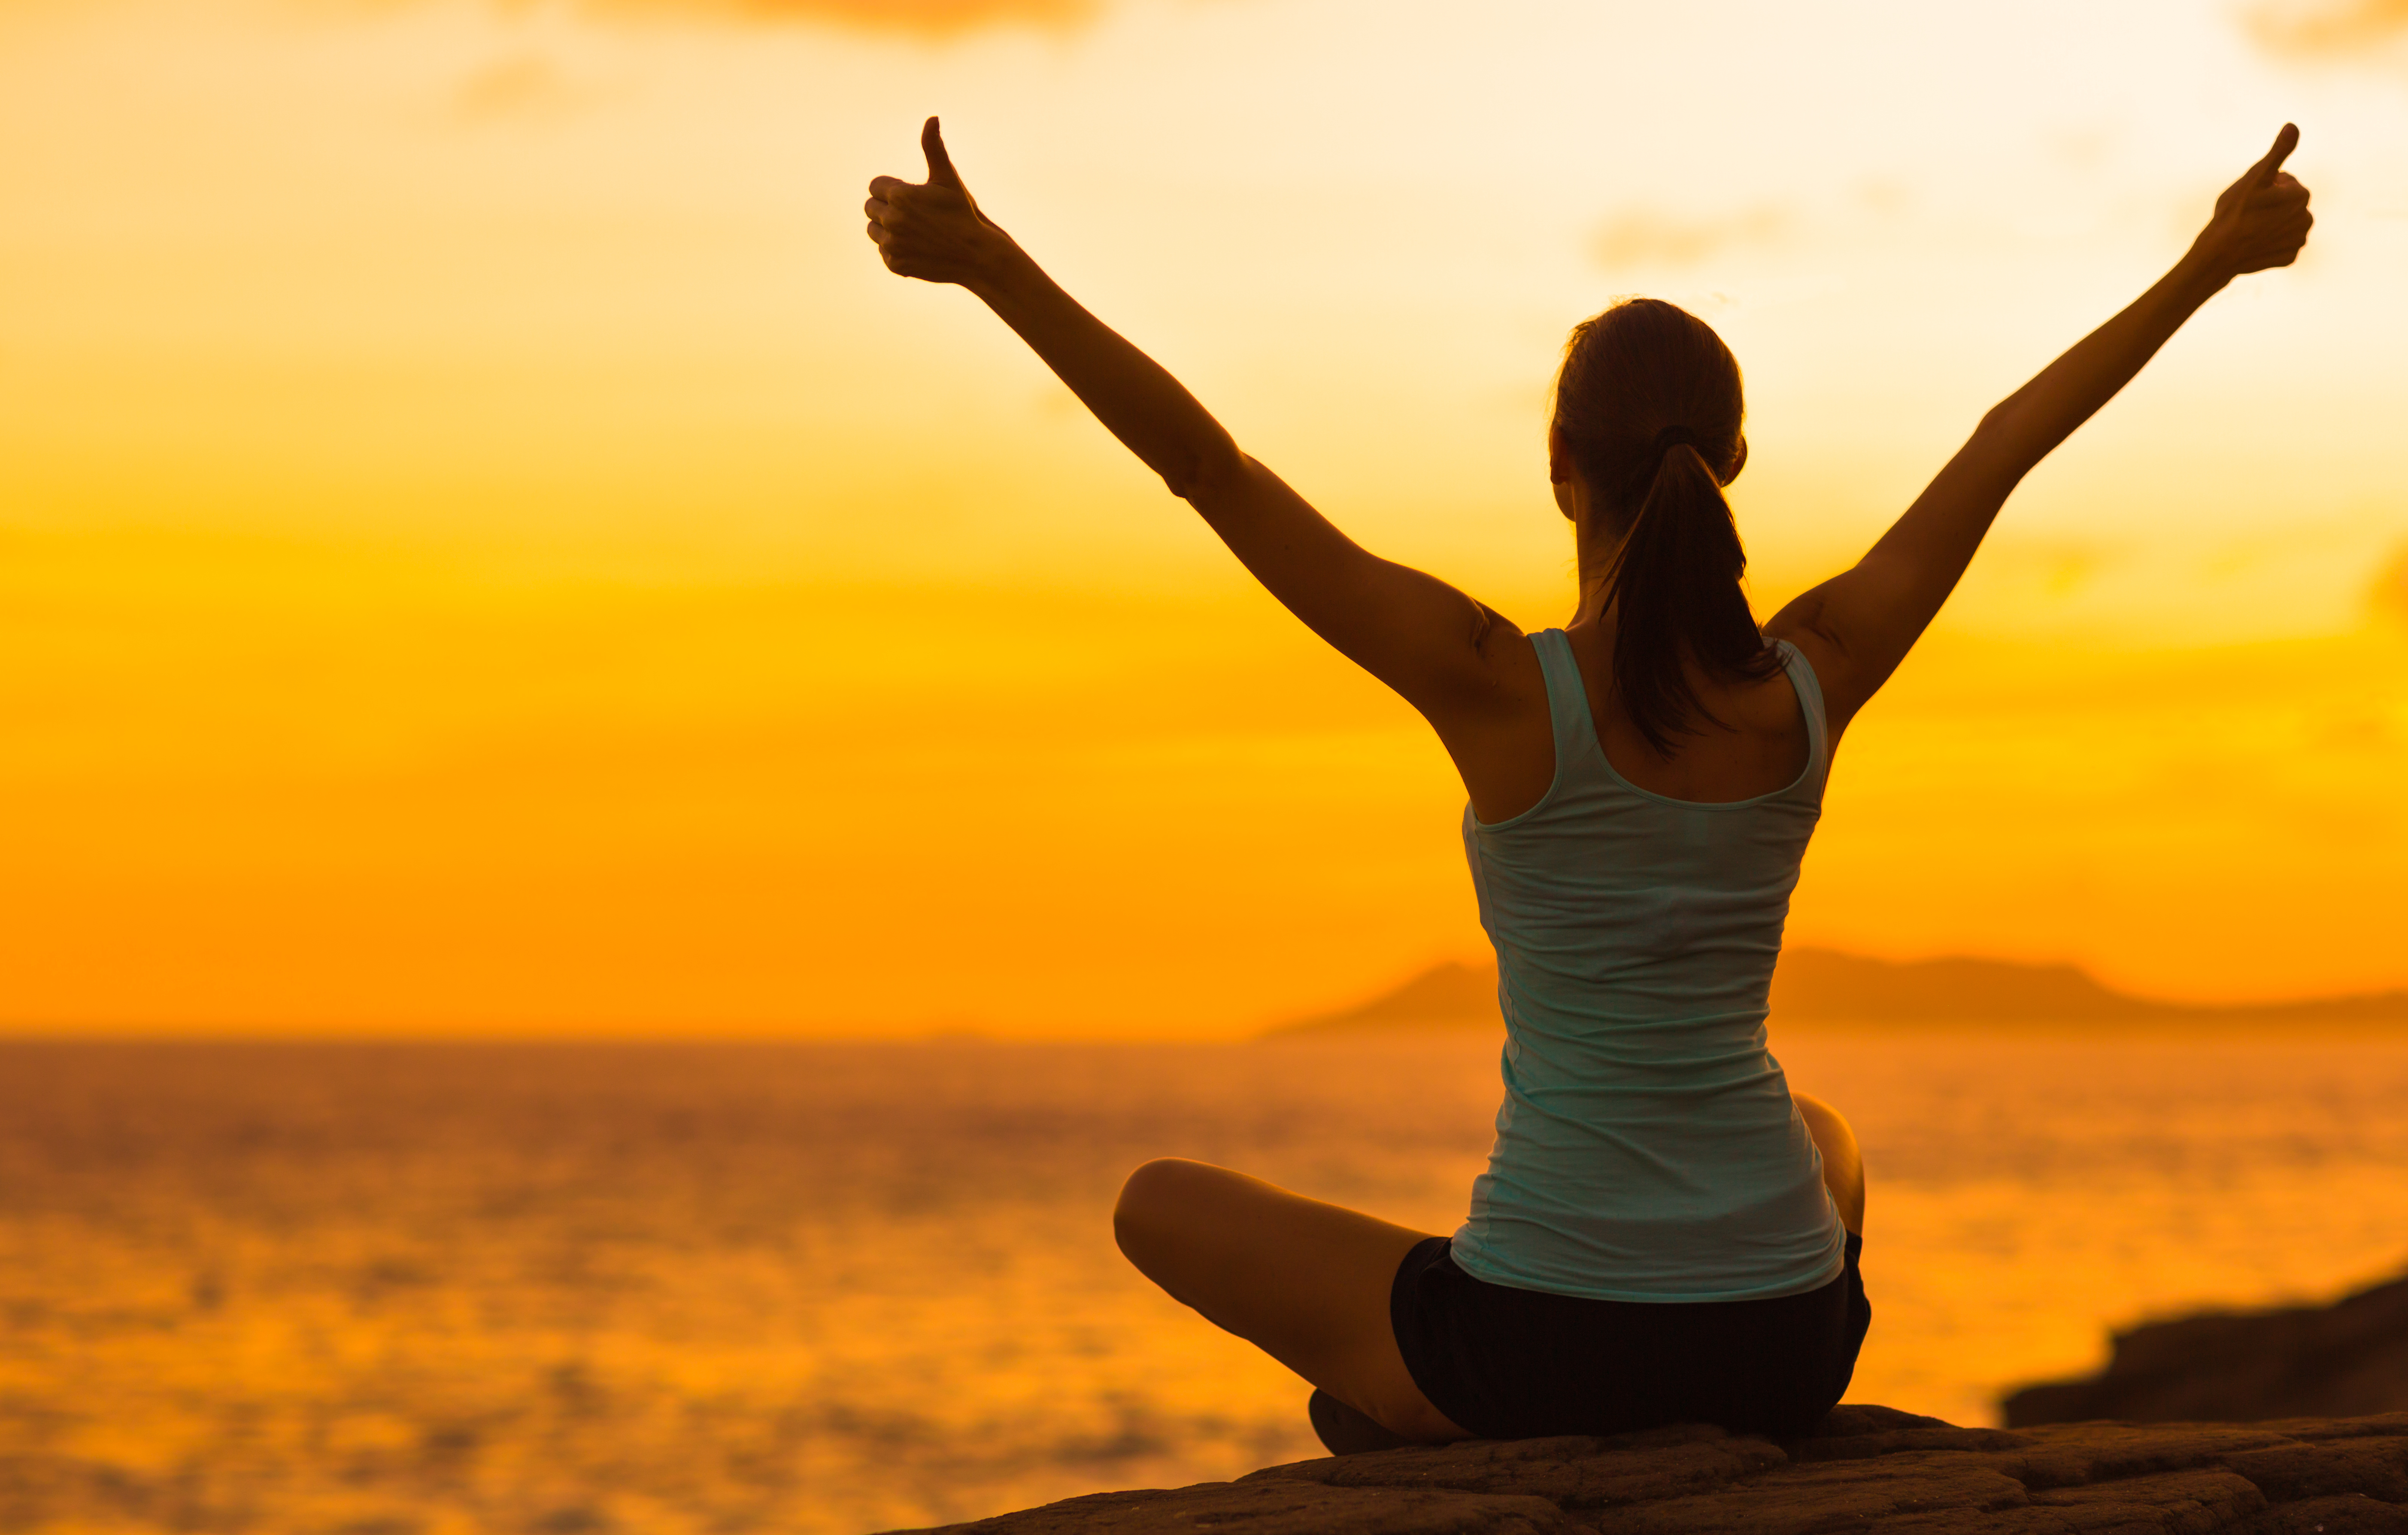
x=579 y=1289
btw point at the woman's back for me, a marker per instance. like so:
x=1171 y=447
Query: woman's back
x=1750 y=739
x=1648 y=1148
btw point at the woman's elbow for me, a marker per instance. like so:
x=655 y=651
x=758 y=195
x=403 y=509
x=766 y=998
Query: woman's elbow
x=2003 y=449
x=2004 y=422
x=1200 y=475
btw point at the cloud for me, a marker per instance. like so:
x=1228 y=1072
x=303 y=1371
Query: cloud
x=922 y=18
x=2388 y=595
x=2329 y=27
x=928 y=20
x=1642 y=238
x=525 y=86
x=1888 y=197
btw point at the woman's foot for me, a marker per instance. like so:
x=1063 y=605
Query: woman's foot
x=1346 y=1431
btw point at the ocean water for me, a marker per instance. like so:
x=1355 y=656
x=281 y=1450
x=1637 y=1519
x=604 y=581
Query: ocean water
x=572 y=1290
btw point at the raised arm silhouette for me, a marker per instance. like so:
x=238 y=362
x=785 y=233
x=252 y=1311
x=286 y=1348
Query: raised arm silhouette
x=1665 y=1232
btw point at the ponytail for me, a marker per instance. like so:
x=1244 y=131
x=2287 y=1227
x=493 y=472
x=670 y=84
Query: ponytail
x=1648 y=405
x=1675 y=593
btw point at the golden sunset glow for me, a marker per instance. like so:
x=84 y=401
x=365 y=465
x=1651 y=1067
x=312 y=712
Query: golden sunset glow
x=485 y=547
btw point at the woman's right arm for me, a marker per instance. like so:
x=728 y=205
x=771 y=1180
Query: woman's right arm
x=1444 y=651
x=1858 y=626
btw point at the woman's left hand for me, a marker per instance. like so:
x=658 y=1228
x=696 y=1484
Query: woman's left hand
x=933 y=230
x=2262 y=220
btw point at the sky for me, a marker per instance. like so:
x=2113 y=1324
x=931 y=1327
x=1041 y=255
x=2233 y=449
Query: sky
x=485 y=547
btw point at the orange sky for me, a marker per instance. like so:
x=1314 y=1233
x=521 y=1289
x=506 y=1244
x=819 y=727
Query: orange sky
x=483 y=546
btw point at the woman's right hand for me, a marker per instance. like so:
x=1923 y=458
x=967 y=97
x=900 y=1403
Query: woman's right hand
x=2262 y=220
x=933 y=230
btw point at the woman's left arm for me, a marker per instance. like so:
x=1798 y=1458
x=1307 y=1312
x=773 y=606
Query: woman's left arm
x=1858 y=626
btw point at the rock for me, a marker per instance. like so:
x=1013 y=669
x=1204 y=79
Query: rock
x=1865 y=1468
x=2345 y=1359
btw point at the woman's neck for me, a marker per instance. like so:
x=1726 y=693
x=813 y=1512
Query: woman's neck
x=1596 y=552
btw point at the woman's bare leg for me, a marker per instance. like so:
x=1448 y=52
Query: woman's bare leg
x=1305 y=1281
x=1844 y=1164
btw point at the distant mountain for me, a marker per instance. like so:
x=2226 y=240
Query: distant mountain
x=1449 y=995
x=1824 y=984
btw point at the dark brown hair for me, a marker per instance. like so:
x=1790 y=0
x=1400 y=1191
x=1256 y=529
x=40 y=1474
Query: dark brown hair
x=1648 y=406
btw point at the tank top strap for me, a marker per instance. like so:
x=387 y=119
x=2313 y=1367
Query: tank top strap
x=1809 y=689
x=1567 y=699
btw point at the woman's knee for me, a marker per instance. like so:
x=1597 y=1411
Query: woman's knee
x=1152 y=1201
x=1844 y=1164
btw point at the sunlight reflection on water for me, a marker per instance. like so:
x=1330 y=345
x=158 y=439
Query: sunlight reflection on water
x=387 y=1290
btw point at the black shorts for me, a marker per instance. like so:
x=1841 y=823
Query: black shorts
x=1524 y=1364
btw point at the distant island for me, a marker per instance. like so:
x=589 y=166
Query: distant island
x=1825 y=985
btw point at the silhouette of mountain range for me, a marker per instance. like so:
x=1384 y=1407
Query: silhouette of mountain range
x=1824 y=984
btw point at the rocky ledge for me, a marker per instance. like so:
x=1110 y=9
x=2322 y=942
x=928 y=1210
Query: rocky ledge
x=1867 y=1468
x=2348 y=1358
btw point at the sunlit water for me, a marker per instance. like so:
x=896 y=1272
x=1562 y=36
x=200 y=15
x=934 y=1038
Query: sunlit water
x=573 y=1290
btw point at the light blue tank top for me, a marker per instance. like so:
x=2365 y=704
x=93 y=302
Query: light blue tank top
x=1647 y=1148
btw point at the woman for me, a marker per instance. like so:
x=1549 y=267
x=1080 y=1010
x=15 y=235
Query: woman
x=1665 y=1232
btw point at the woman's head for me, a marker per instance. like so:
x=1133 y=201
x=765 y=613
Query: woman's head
x=1647 y=415
x=1640 y=369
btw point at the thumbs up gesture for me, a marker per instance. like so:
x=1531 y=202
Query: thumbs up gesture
x=933 y=229
x=2262 y=220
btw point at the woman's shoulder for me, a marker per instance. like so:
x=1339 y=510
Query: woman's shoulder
x=1504 y=743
